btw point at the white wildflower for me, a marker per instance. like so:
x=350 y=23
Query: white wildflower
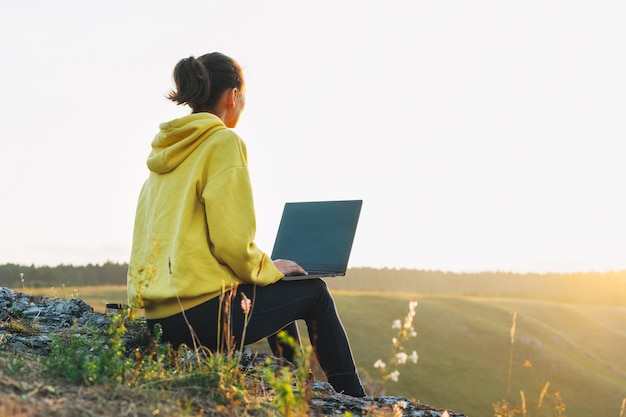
x=394 y=341
x=413 y=357
x=379 y=364
x=397 y=324
x=401 y=358
x=394 y=376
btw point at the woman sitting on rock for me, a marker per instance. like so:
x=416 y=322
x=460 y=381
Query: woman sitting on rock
x=194 y=234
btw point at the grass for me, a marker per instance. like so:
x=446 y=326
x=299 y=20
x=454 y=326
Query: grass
x=33 y=391
x=96 y=296
x=149 y=380
x=464 y=345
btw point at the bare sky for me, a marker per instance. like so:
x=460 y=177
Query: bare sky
x=482 y=135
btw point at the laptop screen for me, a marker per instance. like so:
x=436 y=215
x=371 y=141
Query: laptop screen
x=318 y=235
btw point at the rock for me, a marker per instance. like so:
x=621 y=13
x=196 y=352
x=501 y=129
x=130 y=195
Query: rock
x=336 y=404
x=46 y=317
x=42 y=317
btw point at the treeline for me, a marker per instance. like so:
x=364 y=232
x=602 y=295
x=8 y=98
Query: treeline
x=108 y=273
x=601 y=288
x=607 y=288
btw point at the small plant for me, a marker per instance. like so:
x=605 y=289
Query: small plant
x=96 y=359
x=555 y=402
x=505 y=409
x=405 y=331
x=15 y=313
x=63 y=293
x=292 y=393
x=23 y=327
x=16 y=323
x=222 y=365
x=141 y=277
x=15 y=366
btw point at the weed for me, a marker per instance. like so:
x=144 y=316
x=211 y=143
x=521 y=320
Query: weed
x=15 y=313
x=15 y=365
x=96 y=359
x=15 y=323
x=22 y=327
x=292 y=392
x=405 y=331
x=512 y=341
x=63 y=293
x=505 y=409
x=142 y=277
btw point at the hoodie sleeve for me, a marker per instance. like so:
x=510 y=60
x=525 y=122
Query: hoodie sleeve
x=231 y=220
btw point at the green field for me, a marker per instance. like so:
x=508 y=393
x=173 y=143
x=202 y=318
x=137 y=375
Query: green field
x=464 y=345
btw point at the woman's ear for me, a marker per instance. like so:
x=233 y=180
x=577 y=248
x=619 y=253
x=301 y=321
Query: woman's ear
x=233 y=96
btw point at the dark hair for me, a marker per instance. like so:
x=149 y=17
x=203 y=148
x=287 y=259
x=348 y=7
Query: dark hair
x=200 y=82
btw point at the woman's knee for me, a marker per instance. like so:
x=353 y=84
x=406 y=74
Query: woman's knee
x=317 y=285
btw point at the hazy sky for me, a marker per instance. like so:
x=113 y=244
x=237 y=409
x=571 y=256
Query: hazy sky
x=481 y=135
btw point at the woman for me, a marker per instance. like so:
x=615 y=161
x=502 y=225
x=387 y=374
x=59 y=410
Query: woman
x=194 y=235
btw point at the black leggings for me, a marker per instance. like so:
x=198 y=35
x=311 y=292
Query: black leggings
x=275 y=307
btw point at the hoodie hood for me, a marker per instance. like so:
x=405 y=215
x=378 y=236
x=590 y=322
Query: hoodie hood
x=178 y=138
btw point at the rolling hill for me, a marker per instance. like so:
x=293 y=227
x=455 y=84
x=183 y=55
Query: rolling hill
x=570 y=327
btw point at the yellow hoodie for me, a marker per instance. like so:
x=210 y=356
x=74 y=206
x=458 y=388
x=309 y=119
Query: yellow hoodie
x=195 y=222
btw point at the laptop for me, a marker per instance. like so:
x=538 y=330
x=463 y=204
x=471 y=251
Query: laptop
x=318 y=235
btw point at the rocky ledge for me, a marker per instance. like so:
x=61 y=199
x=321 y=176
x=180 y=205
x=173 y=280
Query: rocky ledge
x=53 y=315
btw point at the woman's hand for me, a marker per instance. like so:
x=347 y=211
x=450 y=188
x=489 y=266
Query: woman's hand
x=288 y=267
